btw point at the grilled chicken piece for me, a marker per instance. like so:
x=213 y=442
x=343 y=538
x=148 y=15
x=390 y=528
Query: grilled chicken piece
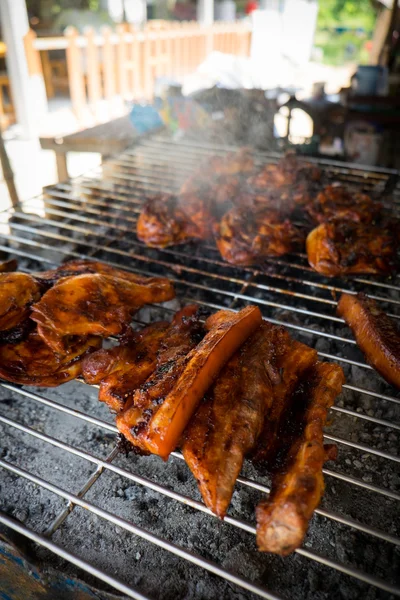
x=227 y=424
x=376 y=334
x=82 y=266
x=288 y=171
x=122 y=369
x=93 y=304
x=18 y=292
x=245 y=238
x=185 y=331
x=8 y=266
x=282 y=519
x=346 y=248
x=340 y=203
x=32 y=362
x=167 y=220
x=292 y=360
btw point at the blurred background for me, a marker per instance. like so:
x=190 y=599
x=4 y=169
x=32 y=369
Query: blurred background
x=322 y=77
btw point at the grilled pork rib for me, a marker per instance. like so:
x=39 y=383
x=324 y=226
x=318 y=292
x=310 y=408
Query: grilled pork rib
x=376 y=334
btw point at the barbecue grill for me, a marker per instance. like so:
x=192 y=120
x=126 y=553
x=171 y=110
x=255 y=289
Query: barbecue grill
x=136 y=523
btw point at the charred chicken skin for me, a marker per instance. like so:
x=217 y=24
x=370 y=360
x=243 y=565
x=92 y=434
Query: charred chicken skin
x=32 y=362
x=18 y=292
x=83 y=266
x=93 y=304
x=185 y=331
x=124 y=368
x=246 y=238
x=282 y=519
x=376 y=334
x=227 y=424
x=338 y=202
x=167 y=220
x=8 y=266
x=346 y=248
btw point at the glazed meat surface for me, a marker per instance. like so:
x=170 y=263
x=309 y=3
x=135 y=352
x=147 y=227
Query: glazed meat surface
x=167 y=220
x=32 y=362
x=82 y=266
x=124 y=368
x=167 y=401
x=291 y=362
x=227 y=424
x=185 y=331
x=282 y=519
x=246 y=238
x=93 y=304
x=8 y=266
x=288 y=171
x=346 y=248
x=376 y=334
x=338 y=202
x=18 y=292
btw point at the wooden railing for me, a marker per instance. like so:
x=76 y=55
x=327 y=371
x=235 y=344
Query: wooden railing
x=124 y=64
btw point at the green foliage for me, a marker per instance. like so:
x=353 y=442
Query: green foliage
x=346 y=46
x=346 y=13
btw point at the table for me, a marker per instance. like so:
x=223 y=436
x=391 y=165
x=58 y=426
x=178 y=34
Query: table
x=106 y=139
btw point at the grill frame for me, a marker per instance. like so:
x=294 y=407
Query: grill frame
x=78 y=205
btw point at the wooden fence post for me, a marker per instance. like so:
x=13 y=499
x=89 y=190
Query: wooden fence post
x=93 y=71
x=121 y=63
x=75 y=73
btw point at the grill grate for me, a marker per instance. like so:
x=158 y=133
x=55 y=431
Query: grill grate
x=352 y=543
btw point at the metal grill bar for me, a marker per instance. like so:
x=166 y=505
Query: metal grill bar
x=95 y=216
x=103 y=424
x=77 y=501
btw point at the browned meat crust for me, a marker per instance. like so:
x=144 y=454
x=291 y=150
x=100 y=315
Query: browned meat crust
x=338 y=202
x=292 y=361
x=246 y=237
x=377 y=335
x=183 y=334
x=18 y=292
x=227 y=424
x=282 y=519
x=122 y=369
x=346 y=248
x=32 y=362
x=93 y=304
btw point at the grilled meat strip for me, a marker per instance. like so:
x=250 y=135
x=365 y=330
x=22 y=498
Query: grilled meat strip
x=18 y=292
x=341 y=203
x=282 y=519
x=167 y=401
x=246 y=238
x=346 y=248
x=202 y=366
x=122 y=369
x=227 y=424
x=292 y=360
x=32 y=362
x=185 y=331
x=376 y=334
x=93 y=304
